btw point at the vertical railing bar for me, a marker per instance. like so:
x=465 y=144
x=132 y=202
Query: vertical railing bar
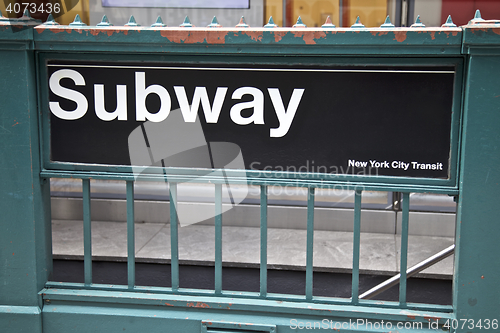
x=174 y=238
x=130 y=235
x=404 y=249
x=284 y=14
x=341 y=10
x=263 y=241
x=356 y=246
x=218 y=239
x=87 y=232
x=310 y=243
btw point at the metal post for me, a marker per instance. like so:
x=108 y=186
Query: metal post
x=25 y=236
x=284 y=13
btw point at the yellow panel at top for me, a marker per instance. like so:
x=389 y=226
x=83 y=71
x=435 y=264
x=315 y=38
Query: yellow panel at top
x=314 y=13
x=372 y=13
x=274 y=8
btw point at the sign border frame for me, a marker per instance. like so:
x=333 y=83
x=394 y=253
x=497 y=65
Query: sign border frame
x=253 y=176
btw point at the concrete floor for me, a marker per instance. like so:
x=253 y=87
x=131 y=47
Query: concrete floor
x=379 y=253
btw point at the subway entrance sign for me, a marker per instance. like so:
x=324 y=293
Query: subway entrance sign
x=325 y=120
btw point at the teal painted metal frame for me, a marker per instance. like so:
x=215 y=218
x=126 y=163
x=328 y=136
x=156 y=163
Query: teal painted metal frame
x=446 y=186
x=264 y=179
x=214 y=326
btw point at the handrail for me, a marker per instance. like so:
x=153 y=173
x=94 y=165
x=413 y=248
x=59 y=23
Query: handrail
x=410 y=272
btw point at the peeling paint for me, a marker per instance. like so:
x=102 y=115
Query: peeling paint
x=278 y=35
x=109 y=32
x=475 y=30
x=168 y=304
x=53 y=30
x=309 y=36
x=254 y=35
x=433 y=35
x=198 y=305
x=379 y=33
x=454 y=33
x=400 y=36
x=93 y=32
x=196 y=36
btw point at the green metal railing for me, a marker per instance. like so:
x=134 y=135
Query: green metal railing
x=307 y=296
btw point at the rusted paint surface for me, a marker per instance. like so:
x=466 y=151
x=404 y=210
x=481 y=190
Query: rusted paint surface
x=195 y=36
x=486 y=29
x=400 y=36
x=254 y=35
x=198 y=305
x=220 y=36
x=309 y=36
x=57 y=30
x=109 y=32
x=91 y=31
x=278 y=35
x=476 y=30
x=379 y=33
x=453 y=33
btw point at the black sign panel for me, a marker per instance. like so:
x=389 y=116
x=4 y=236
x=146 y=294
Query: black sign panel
x=333 y=120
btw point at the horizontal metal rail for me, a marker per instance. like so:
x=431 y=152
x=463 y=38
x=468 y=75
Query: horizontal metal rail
x=316 y=183
x=409 y=273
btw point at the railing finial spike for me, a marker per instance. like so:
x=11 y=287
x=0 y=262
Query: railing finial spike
x=357 y=24
x=328 y=23
x=449 y=23
x=387 y=23
x=132 y=22
x=159 y=23
x=242 y=23
x=50 y=20
x=477 y=15
x=299 y=23
x=215 y=23
x=418 y=23
x=27 y=13
x=270 y=23
x=104 y=22
x=186 y=23
x=77 y=22
x=477 y=18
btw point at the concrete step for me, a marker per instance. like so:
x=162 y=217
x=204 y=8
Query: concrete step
x=379 y=252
